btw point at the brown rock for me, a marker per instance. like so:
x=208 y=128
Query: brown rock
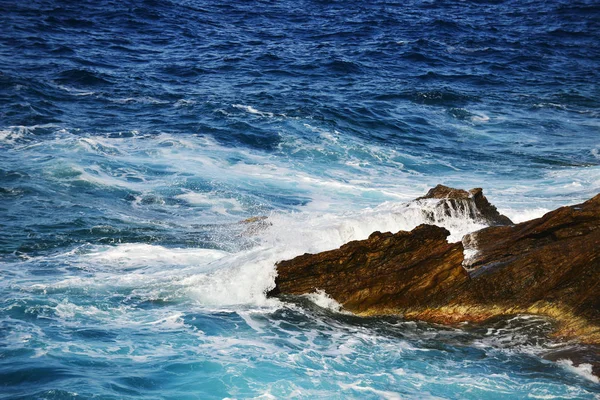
x=550 y=263
x=472 y=204
x=385 y=271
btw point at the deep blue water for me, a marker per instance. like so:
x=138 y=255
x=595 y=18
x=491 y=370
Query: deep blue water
x=135 y=135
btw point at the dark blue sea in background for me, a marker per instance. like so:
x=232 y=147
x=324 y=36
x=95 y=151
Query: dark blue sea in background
x=135 y=135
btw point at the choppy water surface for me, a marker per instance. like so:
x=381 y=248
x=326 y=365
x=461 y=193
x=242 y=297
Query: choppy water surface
x=135 y=135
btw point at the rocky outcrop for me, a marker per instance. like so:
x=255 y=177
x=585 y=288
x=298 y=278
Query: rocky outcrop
x=385 y=271
x=548 y=266
x=472 y=204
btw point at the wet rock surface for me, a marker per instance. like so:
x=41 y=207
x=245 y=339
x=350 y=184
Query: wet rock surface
x=473 y=204
x=382 y=272
x=551 y=265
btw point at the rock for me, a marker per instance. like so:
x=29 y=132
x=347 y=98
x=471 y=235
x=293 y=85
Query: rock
x=547 y=266
x=253 y=220
x=384 y=272
x=473 y=204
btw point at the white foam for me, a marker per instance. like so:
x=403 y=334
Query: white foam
x=235 y=167
x=184 y=103
x=242 y=278
x=328 y=135
x=141 y=100
x=314 y=232
x=383 y=394
x=99 y=145
x=95 y=175
x=209 y=277
x=518 y=216
x=76 y=92
x=575 y=182
x=322 y=299
x=70 y=311
x=247 y=317
x=13 y=133
x=468 y=256
x=584 y=370
x=253 y=110
x=170 y=322
x=480 y=118
x=9 y=136
x=134 y=254
x=217 y=204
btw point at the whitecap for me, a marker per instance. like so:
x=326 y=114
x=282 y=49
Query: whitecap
x=9 y=136
x=184 y=103
x=480 y=118
x=219 y=205
x=518 y=216
x=75 y=91
x=252 y=110
x=140 y=100
x=69 y=311
x=383 y=394
x=584 y=370
x=138 y=254
x=323 y=300
x=13 y=133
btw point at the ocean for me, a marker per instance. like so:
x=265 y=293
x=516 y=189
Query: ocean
x=136 y=135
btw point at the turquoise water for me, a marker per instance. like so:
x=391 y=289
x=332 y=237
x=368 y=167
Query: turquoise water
x=135 y=136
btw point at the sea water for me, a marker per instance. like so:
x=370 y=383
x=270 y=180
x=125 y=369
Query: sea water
x=135 y=136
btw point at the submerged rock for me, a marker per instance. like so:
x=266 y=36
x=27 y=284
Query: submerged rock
x=547 y=266
x=253 y=220
x=472 y=204
x=255 y=225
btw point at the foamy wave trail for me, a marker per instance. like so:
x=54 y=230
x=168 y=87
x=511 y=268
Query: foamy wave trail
x=168 y=276
x=221 y=278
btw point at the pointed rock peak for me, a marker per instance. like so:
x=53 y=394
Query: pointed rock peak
x=473 y=202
